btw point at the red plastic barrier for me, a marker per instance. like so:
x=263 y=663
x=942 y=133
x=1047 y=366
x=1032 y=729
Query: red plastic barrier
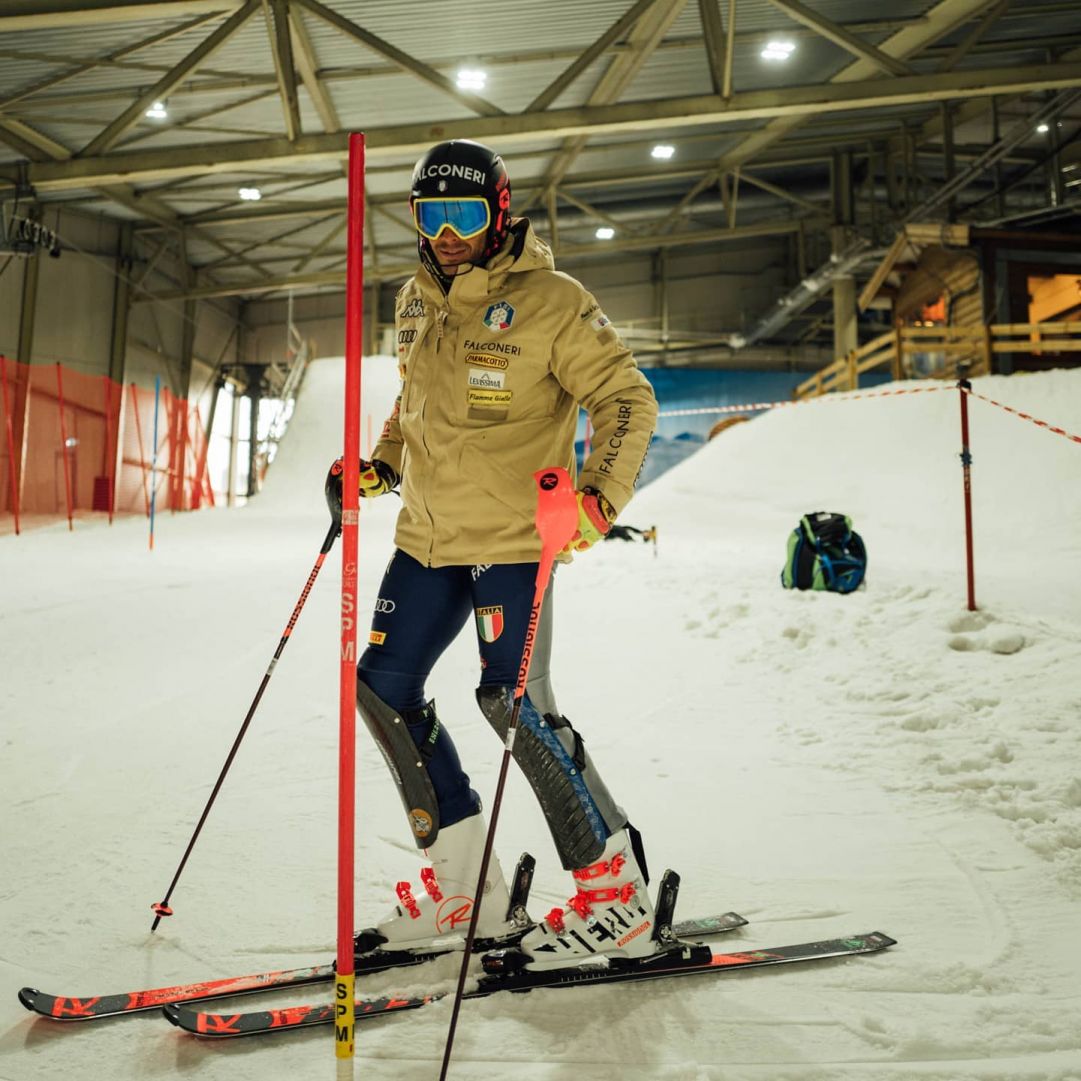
x=75 y=445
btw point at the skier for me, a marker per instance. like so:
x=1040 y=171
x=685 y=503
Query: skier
x=496 y=351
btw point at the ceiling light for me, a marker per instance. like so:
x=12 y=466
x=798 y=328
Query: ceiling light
x=662 y=151
x=472 y=79
x=1043 y=129
x=605 y=232
x=250 y=195
x=777 y=50
x=157 y=111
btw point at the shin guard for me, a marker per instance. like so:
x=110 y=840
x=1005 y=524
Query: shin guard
x=406 y=761
x=580 y=812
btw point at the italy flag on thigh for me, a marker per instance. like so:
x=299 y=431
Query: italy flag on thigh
x=490 y=623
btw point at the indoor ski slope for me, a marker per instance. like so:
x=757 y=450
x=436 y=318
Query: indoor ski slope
x=823 y=764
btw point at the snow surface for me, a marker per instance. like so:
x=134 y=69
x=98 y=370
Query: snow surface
x=825 y=765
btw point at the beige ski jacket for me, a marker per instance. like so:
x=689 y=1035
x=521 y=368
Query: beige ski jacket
x=492 y=377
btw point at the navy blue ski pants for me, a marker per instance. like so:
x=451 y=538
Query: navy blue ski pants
x=419 y=613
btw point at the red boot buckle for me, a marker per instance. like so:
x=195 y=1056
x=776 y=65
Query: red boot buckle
x=601 y=868
x=427 y=876
x=580 y=902
x=409 y=902
x=554 y=919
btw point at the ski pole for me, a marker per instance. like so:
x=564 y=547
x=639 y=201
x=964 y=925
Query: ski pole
x=154 y=459
x=556 y=520
x=161 y=908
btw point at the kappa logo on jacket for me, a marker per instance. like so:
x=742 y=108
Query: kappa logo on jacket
x=413 y=310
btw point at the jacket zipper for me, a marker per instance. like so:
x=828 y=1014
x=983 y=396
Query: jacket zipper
x=440 y=323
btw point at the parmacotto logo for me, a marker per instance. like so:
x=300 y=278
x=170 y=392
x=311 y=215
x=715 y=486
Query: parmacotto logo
x=486 y=360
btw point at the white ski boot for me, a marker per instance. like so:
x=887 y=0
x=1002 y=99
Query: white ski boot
x=611 y=915
x=433 y=915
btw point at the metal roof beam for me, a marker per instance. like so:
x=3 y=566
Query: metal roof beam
x=336 y=278
x=238 y=257
x=49 y=14
x=109 y=58
x=30 y=142
x=973 y=38
x=848 y=41
x=190 y=122
x=647 y=34
x=276 y=14
x=403 y=60
x=782 y=193
x=713 y=39
x=318 y=249
x=308 y=68
x=940 y=21
x=587 y=56
x=169 y=81
x=788 y=103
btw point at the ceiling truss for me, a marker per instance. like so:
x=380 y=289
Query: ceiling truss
x=922 y=83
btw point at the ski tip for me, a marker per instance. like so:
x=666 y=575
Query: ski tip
x=172 y=1013
x=28 y=997
x=882 y=940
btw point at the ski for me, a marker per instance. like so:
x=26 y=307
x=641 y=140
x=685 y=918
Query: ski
x=68 y=1008
x=682 y=960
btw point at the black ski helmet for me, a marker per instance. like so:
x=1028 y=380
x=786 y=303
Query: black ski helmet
x=461 y=169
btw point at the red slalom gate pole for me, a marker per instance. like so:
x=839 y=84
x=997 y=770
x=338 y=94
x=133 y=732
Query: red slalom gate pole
x=963 y=387
x=64 y=446
x=10 y=441
x=345 y=978
x=557 y=519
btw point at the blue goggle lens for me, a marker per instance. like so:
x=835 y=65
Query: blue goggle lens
x=466 y=217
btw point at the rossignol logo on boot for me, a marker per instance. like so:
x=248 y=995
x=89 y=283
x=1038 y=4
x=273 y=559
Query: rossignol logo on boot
x=635 y=933
x=453 y=913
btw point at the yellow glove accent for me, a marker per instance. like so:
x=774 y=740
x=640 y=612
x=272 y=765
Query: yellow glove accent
x=595 y=515
x=376 y=478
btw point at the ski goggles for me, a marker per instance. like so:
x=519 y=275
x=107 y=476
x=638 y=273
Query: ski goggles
x=464 y=217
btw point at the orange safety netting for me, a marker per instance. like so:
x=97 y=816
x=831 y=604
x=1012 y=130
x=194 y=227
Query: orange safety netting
x=73 y=444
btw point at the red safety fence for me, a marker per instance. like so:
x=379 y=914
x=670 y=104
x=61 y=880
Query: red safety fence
x=73 y=444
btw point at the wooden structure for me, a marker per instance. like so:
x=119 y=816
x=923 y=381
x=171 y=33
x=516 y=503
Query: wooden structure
x=975 y=345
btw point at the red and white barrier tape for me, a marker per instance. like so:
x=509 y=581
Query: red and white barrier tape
x=1025 y=416
x=751 y=407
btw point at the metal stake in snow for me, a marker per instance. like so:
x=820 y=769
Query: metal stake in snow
x=344 y=1019
x=557 y=519
x=154 y=458
x=964 y=386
